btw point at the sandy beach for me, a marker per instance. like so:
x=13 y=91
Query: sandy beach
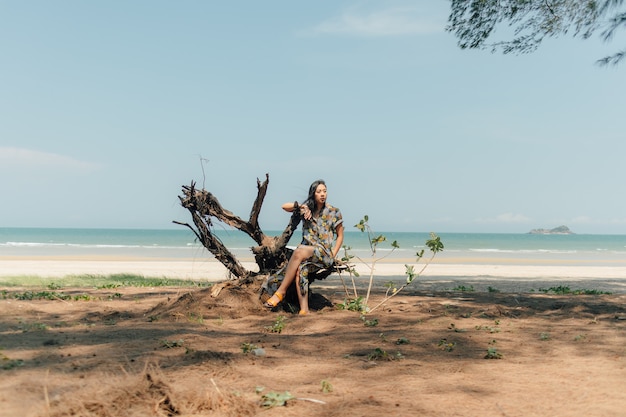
x=520 y=275
x=177 y=351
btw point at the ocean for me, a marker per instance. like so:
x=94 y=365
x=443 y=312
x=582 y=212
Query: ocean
x=181 y=243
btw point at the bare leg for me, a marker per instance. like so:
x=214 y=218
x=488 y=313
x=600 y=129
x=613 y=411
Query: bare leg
x=302 y=298
x=301 y=253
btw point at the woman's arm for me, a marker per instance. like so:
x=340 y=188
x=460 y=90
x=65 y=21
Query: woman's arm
x=339 y=240
x=290 y=206
x=304 y=209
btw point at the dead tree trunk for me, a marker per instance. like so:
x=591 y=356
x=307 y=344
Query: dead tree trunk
x=271 y=251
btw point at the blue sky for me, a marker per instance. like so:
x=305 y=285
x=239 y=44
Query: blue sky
x=108 y=108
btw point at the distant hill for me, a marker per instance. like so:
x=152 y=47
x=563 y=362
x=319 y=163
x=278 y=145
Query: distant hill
x=561 y=230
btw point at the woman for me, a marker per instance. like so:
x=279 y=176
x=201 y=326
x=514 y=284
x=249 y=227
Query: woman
x=322 y=222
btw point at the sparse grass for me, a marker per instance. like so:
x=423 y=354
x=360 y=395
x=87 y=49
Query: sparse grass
x=7 y=363
x=97 y=281
x=26 y=327
x=196 y=318
x=378 y=354
x=169 y=344
x=463 y=288
x=565 y=290
x=544 y=336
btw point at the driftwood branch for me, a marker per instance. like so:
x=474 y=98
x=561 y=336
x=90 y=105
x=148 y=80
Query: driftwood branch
x=271 y=252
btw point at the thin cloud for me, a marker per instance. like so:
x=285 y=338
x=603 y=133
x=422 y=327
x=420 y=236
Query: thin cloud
x=28 y=158
x=506 y=218
x=389 y=22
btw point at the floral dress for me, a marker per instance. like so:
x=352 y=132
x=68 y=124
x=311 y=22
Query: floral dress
x=320 y=233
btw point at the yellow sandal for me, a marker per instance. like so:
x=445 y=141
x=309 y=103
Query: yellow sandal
x=270 y=303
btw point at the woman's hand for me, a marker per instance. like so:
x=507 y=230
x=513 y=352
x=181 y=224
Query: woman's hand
x=305 y=211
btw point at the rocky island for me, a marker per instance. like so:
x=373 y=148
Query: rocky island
x=561 y=230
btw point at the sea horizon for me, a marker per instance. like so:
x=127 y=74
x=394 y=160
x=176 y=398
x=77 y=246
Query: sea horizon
x=182 y=243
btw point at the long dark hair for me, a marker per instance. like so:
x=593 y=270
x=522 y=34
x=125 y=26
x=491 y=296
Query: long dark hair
x=310 y=201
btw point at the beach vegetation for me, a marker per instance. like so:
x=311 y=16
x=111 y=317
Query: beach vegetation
x=26 y=327
x=492 y=353
x=434 y=244
x=53 y=295
x=402 y=341
x=463 y=288
x=326 y=386
x=100 y=281
x=566 y=290
x=490 y=329
x=170 y=344
x=7 y=363
x=352 y=304
x=382 y=354
x=248 y=347
x=369 y=322
x=276 y=399
x=278 y=326
x=446 y=345
x=195 y=317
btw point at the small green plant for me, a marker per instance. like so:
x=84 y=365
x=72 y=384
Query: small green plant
x=275 y=399
x=544 y=336
x=108 y=286
x=7 y=364
x=326 y=386
x=445 y=345
x=82 y=297
x=434 y=244
x=197 y=318
x=492 y=353
x=248 y=347
x=463 y=288
x=453 y=327
x=369 y=323
x=492 y=289
x=353 y=304
x=402 y=341
x=565 y=290
x=169 y=344
x=490 y=329
x=278 y=325
x=379 y=354
x=32 y=327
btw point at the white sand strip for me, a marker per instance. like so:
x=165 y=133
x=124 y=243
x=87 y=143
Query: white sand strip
x=214 y=271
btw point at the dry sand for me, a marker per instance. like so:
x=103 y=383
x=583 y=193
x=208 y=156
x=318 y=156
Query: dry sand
x=178 y=352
